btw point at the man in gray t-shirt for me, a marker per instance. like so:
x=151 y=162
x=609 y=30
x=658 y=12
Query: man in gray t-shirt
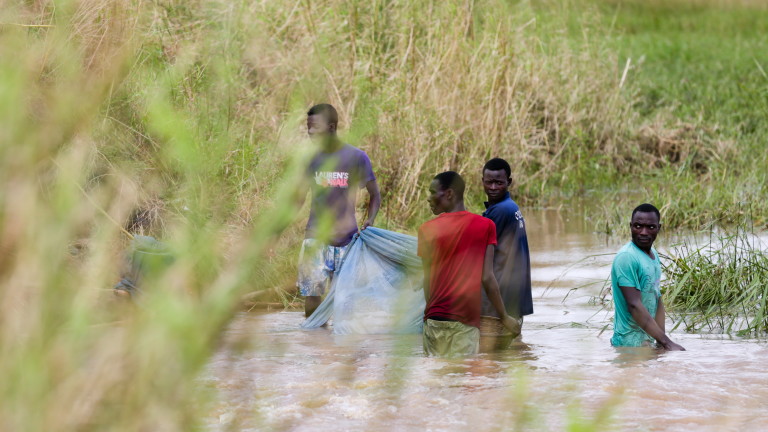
x=335 y=174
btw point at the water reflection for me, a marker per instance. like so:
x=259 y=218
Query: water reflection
x=635 y=356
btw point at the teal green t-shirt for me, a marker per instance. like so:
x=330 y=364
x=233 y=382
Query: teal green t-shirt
x=634 y=268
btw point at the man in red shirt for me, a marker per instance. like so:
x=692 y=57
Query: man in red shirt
x=457 y=250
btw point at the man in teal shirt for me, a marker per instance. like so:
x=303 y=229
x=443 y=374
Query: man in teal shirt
x=635 y=279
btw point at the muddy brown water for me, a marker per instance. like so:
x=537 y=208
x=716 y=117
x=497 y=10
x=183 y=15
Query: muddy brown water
x=270 y=375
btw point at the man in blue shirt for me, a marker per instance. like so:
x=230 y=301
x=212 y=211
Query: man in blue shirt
x=512 y=262
x=635 y=279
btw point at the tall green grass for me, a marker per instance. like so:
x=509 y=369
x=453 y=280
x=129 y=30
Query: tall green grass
x=90 y=130
x=698 y=72
x=565 y=90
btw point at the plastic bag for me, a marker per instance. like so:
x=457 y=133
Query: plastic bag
x=377 y=289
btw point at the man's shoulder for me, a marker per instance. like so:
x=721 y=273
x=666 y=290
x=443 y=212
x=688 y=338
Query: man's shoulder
x=627 y=250
x=317 y=156
x=507 y=207
x=347 y=153
x=453 y=219
x=350 y=149
x=428 y=225
x=509 y=203
x=346 y=149
x=473 y=218
x=481 y=223
x=431 y=229
x=625 y=256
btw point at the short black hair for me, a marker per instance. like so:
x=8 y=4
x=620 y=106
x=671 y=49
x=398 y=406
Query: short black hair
x=647 y=208
x=496 y=164
x=327 y=111
x=451 y=180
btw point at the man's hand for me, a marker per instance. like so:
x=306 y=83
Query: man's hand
x=671 y=346
x=513 y=325
x=366 y=224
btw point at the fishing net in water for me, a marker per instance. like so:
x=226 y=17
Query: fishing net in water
x=377 y=289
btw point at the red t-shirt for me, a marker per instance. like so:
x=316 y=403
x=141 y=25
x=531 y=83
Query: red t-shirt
x=455 y=244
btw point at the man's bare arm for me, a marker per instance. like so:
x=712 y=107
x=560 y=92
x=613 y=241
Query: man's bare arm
x=661 y=316
x=491 y=286
x=374 y=203
x=644 y=320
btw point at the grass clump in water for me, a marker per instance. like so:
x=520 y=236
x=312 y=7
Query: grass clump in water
x=721 y=286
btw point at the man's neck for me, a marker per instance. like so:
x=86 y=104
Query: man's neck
x=331 y=144
x=647 y=251
x=458 y=207
x=503 y=197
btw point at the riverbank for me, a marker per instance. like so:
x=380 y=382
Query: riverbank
x=610 y=102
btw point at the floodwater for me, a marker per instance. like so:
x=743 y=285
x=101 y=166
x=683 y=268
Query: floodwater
x=270 y=375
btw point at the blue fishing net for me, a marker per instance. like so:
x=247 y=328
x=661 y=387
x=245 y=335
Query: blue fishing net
x=377 y=289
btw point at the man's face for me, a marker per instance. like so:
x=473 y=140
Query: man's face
x=495 y=184
x=439 y=199
x=645 y=227
x=318 y=127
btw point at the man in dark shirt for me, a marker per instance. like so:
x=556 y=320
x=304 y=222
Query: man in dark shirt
x=512 y=263
x=334 y=176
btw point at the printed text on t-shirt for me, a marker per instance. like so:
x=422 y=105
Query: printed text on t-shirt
x=335 y=179
x=519 y=218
